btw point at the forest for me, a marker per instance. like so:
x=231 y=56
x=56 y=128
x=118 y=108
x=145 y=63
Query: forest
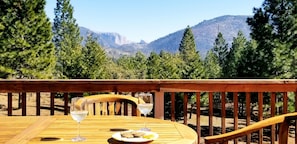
x=31 y=47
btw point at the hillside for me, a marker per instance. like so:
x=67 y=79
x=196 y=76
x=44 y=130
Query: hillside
x=205 y=33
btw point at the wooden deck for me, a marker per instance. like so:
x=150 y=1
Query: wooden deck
x=277 y=93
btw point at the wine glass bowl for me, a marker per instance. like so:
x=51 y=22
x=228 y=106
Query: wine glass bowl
x=145 y=106
x=78 y=114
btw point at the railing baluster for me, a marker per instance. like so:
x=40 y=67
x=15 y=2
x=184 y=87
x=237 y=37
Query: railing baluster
x=38 y=103
x=248 y=114
x=66 y=101
x=198 y=128
x=272 y=111
x=260 y=115
x=9 y=104
x=24 y=103
x=223 y=115
x=172 y=112
x=235 y=113
x=285 y=102
x=185 y=106
x=52 y=103
x=210 y=111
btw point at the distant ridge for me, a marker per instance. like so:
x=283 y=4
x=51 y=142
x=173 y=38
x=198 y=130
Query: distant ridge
x=205 y=33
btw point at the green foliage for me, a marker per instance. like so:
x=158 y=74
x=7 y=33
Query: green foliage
x=169 y=67
x=192 y=66
x=285 y=61
x=140 y=65
x=212 y=66
x=153 y=63
x=93 y=59
x=274 y=28
x=26 y=50
x=235 y=55
x=221 y=50
x=248 y=64
x=67 y=41
x=133 y=67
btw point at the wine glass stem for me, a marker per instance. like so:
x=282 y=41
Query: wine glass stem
x=78 y=129
x=145 y=121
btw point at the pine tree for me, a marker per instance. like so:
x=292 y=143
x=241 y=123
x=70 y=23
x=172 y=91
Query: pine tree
x=192 y=66
x=221 y=50
x=153 y=66
x=247 y=65
x=235 y=54
x=212 y=66
x=126 y=67
x=67 y=40
x=26 y=49
x=274 y=28
x=94 y=59
x=169 y=66
x=140 y=65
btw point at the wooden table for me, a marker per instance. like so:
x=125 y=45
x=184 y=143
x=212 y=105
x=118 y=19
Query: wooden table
x=97 y=129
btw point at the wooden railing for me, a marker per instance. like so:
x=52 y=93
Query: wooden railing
x=221 y=94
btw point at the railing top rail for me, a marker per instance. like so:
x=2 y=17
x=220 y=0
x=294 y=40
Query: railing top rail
x=135 y=85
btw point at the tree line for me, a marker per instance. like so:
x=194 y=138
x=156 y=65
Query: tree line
x=31 y=47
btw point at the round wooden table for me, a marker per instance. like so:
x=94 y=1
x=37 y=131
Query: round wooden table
x=99 y=129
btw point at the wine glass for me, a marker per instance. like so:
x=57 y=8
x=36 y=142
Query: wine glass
x=78 y=114
x=145 y=106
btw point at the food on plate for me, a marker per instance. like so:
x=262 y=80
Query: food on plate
x=148 y=136
x=132 y=134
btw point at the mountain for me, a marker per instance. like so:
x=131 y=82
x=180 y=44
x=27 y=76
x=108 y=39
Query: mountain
x=115 y=44
x=113 y=40
x=205 y=33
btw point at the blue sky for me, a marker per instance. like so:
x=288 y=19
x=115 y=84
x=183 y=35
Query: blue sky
x=149 y=20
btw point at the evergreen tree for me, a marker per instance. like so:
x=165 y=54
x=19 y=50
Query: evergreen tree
x=140 y=65
x=114 y=71
x=212 y=66
x=274 y=28
x=126 y=67
x=94 y=59
x=247 y=65
x=170 y=66
x=192 y=66
x=234 y=55
x=153 y=66
x=67 y=41
x=26 y=49
x=221 y=50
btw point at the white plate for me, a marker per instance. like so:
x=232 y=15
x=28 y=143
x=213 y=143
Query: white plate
x=118 y=137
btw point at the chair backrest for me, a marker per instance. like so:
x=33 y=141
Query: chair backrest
x=284 y=120
x=111 y=104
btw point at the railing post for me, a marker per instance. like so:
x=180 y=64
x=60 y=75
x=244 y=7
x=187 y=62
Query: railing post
x=159 y=105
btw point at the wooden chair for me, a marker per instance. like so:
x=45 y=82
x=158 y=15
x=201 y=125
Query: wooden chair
x=284 y=121
x=110 y=104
